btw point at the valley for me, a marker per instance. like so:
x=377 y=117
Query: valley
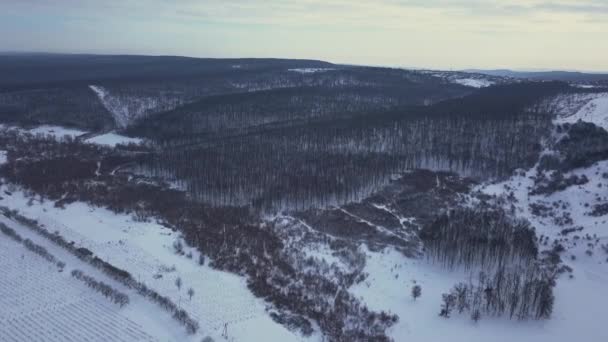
x=293 y=200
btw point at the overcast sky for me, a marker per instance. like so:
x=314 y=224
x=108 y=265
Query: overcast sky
x=520 y=34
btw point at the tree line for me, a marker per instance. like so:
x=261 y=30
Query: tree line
x=106 y=290
x=517 y=292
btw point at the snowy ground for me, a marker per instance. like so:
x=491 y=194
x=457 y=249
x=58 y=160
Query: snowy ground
x=310 y=70
x=112 y=139
x=118 y=111
x=145 y=250
x=580 y=302
x=579 y=312
x=41 y=304
x=57 y=131
x=125 y=108
x=474 y=83
x=594 y=110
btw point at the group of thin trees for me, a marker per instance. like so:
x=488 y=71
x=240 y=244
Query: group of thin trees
x=521 y=293
x=512 y=280
x=106 y=290
x=30 y=245
x=486 y=238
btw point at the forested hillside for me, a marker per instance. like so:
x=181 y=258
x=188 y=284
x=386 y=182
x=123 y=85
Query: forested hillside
x=306 y=163
x=308 y=201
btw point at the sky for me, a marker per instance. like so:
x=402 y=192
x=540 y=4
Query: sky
x=440 y=34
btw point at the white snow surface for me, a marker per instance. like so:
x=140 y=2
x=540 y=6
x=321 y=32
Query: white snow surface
x=145 y=249
x=473 y=82
x=112 y=139
x=583 y=86
x=126 y=108
x=57 y=131
x=310 y=70
x=579 y=312
x=119 y=112
x=38 y=303
x=580 y=302
x=595 y=110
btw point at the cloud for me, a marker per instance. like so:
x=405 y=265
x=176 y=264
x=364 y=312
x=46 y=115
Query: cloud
x=408 y=32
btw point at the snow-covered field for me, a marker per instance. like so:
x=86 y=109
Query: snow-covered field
x=578 y=313
x=57 y=131
x=221 y=300
x=112 y=139
x=474 y=83
x=310 y=70
x=41 y=304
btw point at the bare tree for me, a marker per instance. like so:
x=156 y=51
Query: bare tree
x=190 y=293
x=416 y=291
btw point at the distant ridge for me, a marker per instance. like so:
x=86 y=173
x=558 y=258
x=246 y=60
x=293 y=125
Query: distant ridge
x=49 y=68
x=567 y=76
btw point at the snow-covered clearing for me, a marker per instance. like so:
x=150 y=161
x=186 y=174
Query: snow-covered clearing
x=112 y=139
x=594 y=111
x=580 y=301
x=144 y=249
x=57 y=131
x=583 y=86
x=310 y=70
x=120 y=113
x=473 y=82
x=577 y=200
x=578 y=313
x=41 y=304
x=125 y=107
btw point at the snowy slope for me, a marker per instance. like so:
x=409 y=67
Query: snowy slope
x=125 y=108
x=595 y=111
x=145 y=250
x=580 y=300
x=474 y=83
x=57 y=131
x=41 y=304
x=578 y=314
x=310 y=70
x=119 y=112
x=112 y=139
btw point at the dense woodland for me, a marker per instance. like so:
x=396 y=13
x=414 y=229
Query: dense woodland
x=337 y=161
x=473 y=238
x=513 y=281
